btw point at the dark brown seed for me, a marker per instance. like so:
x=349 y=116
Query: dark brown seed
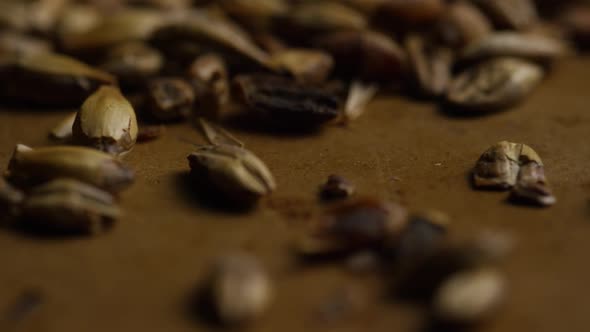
x=133 y=62
x=369 y=55
x=170 y=99
x=315 y=17
x=257 y=15
x=138 y=101
x=494 y=84
x=162 y=4
x=50 y=79
x=269 y=42
x=352 y=226
x=422 y=276
x=382 y=58
x=577 y=23
x=463 y=23
x=412 y=12
x=431 y=65
x=368 y=7
x=510 y=14
x=287 y=102
x=336 y=187
x=424 y=234
x=548 y=8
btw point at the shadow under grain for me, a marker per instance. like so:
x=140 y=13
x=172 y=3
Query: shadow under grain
x=251 y=123
x=199 y=308
x=520 y=202
x=469 y=177
x=46 y=233
x=436 y=325
x=11 y=105
x=464 y=113
x=202 y=194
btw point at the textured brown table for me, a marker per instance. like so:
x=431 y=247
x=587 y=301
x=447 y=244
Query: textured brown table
x=140 y=275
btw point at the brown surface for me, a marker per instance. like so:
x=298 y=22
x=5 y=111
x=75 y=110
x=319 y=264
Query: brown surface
x=139 y=276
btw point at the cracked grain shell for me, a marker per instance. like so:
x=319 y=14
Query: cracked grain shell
x=107 y=122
